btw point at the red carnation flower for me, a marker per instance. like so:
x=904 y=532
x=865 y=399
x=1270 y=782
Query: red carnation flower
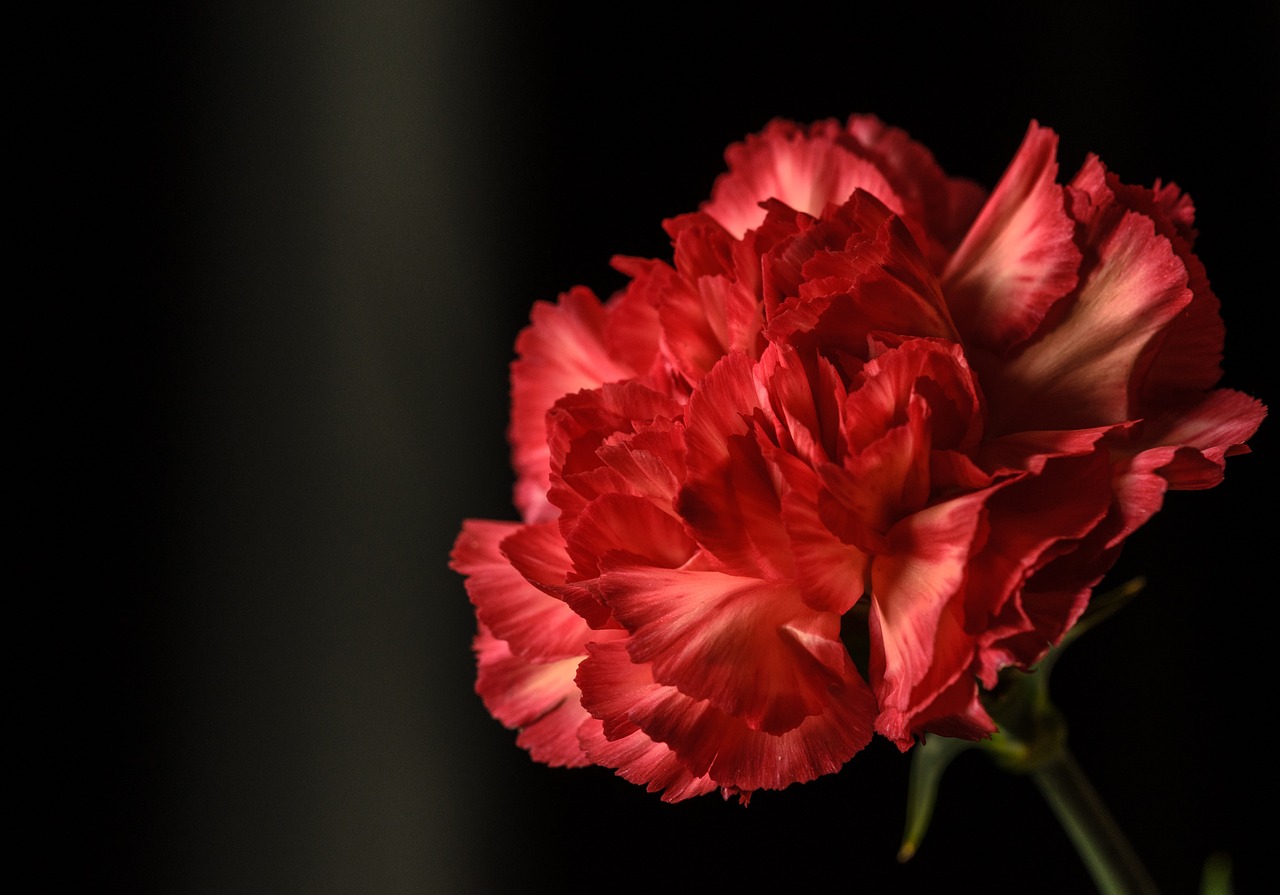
x=867 y=439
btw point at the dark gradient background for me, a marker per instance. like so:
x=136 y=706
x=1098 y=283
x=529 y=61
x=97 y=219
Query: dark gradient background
x=344 y=212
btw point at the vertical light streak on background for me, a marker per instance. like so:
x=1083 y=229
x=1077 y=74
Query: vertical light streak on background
x=334 y=337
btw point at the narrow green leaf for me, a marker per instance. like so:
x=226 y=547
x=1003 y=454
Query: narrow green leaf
x=928 y=762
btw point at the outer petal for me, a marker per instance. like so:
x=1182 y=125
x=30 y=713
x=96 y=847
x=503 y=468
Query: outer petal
x=538 y=627
x=1185 y=451
x=541 y=700
x=1018 y=257
x=538 y=553
x=640 y=760
x=1028 y=451
x=1185 y=359
x=1195 y=442
x=707 y=741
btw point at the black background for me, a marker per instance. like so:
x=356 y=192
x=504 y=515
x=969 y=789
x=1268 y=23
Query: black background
x=305 y=236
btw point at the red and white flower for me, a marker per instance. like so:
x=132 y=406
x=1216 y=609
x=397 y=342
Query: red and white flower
x=868 y=438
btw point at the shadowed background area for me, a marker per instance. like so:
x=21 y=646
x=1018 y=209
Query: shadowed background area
x=346 y=212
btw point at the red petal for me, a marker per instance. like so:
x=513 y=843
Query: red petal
x=918 y=643
x=640 y=760
x=938 y=206
x=749 y=646
x=626 y=524
x=541 y=700
x=703 y=320
x=832 y=574
x=1028 y=451
x=538 y=627
x=704 y=310
x=724 y=400
x=538 y=553
x=956 y=710
x=806 y=400
x=1081 y=372
x=562 y=351
x=847 y=277
x=1018 y=257
x=883 y=482
x=1185 y=359
x=806 y=170
x=651 y=462
x=1202 y=436
x=710 y=742
x=905 y=404
x=1032 y=520
x=1183 y=451
x=581 y=424
x=731 y=499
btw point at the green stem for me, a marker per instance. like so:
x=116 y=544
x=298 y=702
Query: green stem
x=1102 y=846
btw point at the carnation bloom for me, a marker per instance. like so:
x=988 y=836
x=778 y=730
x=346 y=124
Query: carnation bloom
x=868 y=438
